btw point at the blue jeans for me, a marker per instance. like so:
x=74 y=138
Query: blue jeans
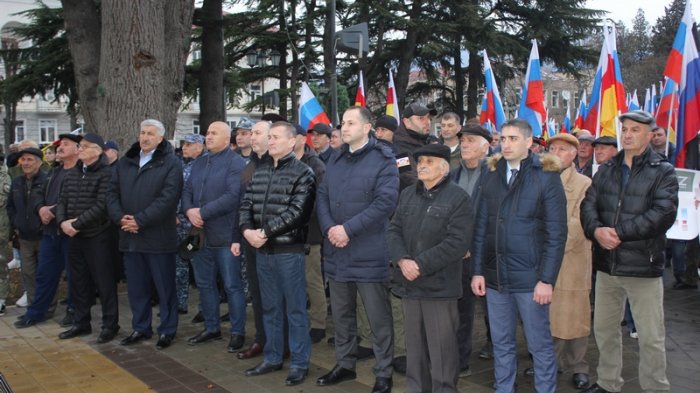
x=678 y=256
x=283 y=281
x=53 y=257
x=206 y=264
x=504 y=309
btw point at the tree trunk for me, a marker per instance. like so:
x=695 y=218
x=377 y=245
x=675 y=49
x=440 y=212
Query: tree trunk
x=282 y=48
x=472 y=87
x=131 y=67
x=404 y=70
x=211 y=75
x=83 y=29
x=459 y=77
x=294 y=75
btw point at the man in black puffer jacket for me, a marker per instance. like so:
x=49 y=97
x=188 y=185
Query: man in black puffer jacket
x=626 y=213
x=81 y=213
x=273 y=217
x=142 y=200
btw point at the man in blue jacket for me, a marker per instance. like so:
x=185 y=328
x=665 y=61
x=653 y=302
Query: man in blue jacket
x=211 y=199
x=519 y=240
x=142 y=200
x=357 y=197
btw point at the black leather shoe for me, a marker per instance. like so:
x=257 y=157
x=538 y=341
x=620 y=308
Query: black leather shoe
x=262 y=368
x=296 y=376
x=399 y=364
x=338 y=374
x=580 y=380
x=530 y=372
x=134 y=337
x=75 y=331
x=382 y=385
x=67 y=319
x=204 y=336
x=25 y=322
x=236 y=343
x=486 y=351
x=107 y=335
x=199 y=318
x=595 y=389
x=164 y=341
x=254 y=350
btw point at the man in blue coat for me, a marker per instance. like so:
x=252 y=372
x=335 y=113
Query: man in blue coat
x=519 y=240
x=142 y=200
x=357 y=197
x=211 y=199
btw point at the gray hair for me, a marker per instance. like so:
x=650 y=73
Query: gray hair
x=160 y=128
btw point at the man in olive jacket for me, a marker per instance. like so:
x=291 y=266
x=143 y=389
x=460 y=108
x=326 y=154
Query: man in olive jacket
x=428 y=239
x=626 y=213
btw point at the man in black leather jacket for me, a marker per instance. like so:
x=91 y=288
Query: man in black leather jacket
x=274 y=214
x=626 y=213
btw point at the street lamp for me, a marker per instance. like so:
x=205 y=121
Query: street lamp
x=259 y=59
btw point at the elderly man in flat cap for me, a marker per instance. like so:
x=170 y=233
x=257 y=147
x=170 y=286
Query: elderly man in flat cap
x=429 y=236
x=570 y=311
x=626 y=213
x=604 y=148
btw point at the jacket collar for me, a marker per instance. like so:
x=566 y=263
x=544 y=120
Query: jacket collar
x=161 y=150
x=421 y=190
x=345 y=149
x=282 y=161
x=649 y=156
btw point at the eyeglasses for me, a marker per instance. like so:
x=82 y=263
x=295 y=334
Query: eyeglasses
x=84 y=147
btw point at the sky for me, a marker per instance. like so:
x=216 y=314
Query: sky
x=625 y=10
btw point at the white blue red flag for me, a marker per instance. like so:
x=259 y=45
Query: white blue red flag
x=683 y=67
x=310 y=110
x=492 y=114
x=532 y=108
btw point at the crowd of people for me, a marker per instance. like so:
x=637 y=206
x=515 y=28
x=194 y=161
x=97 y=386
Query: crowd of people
x=403 y=234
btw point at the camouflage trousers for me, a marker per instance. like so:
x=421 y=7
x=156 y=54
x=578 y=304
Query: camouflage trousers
x=182 y=282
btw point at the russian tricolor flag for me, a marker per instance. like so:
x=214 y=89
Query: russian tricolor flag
x=492 y=114
x=532 y=108
x=581 y=113
x=667 y=112
x=310 y=111
x=633 y=102
x=683 y=67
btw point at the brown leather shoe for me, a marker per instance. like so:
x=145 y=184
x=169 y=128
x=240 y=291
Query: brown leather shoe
x=254 y=350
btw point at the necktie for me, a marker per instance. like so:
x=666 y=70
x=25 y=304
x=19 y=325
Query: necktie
x=513 y=173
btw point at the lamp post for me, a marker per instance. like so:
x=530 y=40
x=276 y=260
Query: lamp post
x=259 y=58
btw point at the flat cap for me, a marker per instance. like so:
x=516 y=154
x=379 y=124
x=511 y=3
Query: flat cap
x=73 y=137
x=475 y=129
x=94 y=138
x=386 y=121
x=417 y=109
x=434 y=150
x=322 y=129
x=639 y=116
x=605 y=140
x=33 y=151
x=568 y=138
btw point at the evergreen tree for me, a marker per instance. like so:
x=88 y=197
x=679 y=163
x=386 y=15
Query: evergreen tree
x=666 y=27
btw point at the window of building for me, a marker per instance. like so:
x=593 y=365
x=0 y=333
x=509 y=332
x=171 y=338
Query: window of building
x=47 y=131
x=20 y=131
x=554 y=97
x=255 y=92
x=195 y=126
x=231 y=123
x=577 y=99
x=196 y=55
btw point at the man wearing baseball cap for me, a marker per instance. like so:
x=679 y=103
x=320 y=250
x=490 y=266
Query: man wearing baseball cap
x=111 y=150
x=584 y=159
x=321 y=139
x=626 y=213
x=427 y=251
x=412 y=133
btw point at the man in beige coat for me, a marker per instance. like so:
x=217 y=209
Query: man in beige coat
x=570 y=311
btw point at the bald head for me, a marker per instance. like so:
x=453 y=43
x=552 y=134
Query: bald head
x=260 y=134
x=218 y=136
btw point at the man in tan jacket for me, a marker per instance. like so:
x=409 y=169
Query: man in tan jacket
x=570 y=311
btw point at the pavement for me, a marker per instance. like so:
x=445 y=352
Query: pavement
x=34 y=359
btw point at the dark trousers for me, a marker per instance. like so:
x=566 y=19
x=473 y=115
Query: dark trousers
x=53 y=258
x=375 y=297
x=254 y=290
x=692 y=254
x=432 y=361
x=142 y=269
x=91 y=269
x=465 y=306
